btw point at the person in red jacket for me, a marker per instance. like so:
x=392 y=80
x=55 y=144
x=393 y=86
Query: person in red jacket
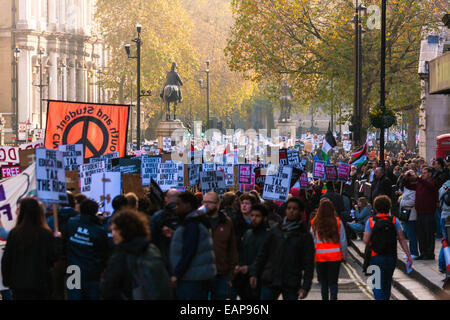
x=426 y=200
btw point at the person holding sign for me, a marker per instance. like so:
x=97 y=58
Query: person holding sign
x=285 y=263
x=30 y=252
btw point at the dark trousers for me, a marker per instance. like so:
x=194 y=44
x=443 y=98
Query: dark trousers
x=90 y=290
x=59 y=279
x=328 y=275
x=425 y=227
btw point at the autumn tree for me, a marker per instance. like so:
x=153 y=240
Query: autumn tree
x=310 y=43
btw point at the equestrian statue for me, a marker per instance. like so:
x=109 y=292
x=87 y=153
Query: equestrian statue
x=171 y=92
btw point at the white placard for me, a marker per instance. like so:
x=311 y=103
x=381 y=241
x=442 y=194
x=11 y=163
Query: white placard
x=149 y=169
x=50 y=176
x=73 y=156
x=86 y=172
x=107 y=187
x=276 y=187
x=213 y=181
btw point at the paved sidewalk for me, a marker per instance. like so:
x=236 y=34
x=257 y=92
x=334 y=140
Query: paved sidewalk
x=424 y=271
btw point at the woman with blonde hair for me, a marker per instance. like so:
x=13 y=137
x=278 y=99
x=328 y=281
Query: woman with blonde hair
x=331 y=248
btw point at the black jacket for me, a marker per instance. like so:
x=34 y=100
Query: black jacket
x=382 y=186
x=240 y=227
x=87 y=246
x=338 y=203
x=286 y=260
x=28 y=267
x=252 y=242
x=117 y=281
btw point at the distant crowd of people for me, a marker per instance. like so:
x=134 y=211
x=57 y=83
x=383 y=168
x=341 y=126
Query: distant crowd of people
x=235 y=245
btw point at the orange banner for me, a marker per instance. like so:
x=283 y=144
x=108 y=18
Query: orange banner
x=101 y=128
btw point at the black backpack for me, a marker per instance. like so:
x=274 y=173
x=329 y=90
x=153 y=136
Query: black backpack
x=150 y=277
x=384 y=236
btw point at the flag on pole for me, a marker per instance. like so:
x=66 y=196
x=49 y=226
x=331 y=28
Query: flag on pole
x=328 y=143
x=359 y=157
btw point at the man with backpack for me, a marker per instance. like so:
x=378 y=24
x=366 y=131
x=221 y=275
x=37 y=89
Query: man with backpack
x=381 y=234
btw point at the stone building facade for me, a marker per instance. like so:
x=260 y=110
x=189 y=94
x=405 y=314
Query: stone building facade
x=61 y=58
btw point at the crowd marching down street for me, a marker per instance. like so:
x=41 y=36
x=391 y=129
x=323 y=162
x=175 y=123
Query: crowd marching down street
x=255 y=238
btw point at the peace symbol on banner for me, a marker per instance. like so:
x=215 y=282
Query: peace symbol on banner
x=90 y=132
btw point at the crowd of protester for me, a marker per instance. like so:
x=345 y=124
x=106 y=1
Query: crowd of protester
x=237 y=245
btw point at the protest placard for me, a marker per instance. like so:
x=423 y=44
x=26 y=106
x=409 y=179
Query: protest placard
x=107 y=187
x=304 y=184
x=276 y=187
x=73 y=156
x=167 y=144
x=330 y=173
x=213 y=181
x=50 y=176
x=343 y=171
x=283 y=157
x=149 y=169
x=86 y=171
x=259 y=178
x=107 y=158
x=167 y=176
x=293 y=157
x=319 y=169
x=193 y=174
x=248 y=187
x=73 y=181
x=228 y=169
x=10 y=171
x=131 y=182
x=245 y=174
x=126 y=165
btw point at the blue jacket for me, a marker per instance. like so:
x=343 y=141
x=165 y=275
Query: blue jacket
x=363 y=215
x=87 y=246
x=191 y=249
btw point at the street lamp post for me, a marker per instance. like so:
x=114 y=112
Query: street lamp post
x=139 y=93
x=63 y=79
x=357 y=58
x=207 y=92
x=40 y=85
x=382 y=75
x=99 y=72
x=16 y=93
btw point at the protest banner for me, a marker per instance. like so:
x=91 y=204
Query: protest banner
x=343 y=171
x=86 y=171
x=100 y=128
x=10 y=171
x=73 y=181
x=330 y=173
x=73 y=156
x=304 y=184
x=11 y=191
x=245 y=174
x=107 y=187
x=50 y=176
x=319 y=169
x=213 y=181
x=149 y=169
x=276 y=187
x=9 y=154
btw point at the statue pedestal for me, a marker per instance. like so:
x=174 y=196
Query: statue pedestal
x=166 y=128
x=287 y=129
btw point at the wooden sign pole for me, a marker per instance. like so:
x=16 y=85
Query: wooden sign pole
x=55 y=217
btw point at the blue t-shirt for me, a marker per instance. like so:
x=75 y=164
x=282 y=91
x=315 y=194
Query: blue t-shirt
x=398 y=226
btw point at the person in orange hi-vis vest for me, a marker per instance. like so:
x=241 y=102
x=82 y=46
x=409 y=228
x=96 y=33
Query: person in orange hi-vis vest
x=331 y=248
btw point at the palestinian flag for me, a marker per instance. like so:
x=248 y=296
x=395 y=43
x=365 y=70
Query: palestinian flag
x=359 y=157
x=328 y=143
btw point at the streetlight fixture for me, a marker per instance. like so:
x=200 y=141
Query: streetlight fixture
x=200 y=81
x=383 y=76
x=63 y=68
x=41 y=86
x=139 y=94
x=99 y=72
x=16 y=93
x=356 y=124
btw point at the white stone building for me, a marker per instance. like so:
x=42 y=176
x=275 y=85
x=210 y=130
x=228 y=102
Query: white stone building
x=72 y=60
x=434 y=117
